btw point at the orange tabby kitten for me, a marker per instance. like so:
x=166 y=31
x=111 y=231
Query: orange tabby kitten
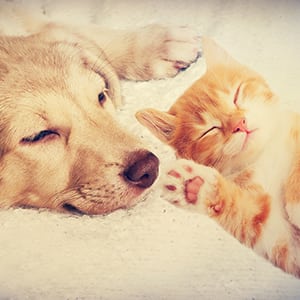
x=246 y=153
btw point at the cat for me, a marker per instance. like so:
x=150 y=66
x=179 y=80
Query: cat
x=238 y=157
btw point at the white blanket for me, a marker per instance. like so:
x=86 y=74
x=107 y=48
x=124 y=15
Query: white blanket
x=155 y=251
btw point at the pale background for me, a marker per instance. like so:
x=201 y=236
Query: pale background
x=156 y=251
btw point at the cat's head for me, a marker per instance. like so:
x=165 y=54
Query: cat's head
x=224 y=118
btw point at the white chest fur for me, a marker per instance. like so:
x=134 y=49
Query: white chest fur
x=272 y=170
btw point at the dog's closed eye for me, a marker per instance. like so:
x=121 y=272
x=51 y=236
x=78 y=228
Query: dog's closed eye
x=41 y=136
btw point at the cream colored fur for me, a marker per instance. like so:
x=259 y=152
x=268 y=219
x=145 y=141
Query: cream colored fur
x=61 y=147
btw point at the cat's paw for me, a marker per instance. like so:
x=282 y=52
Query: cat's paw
x=192 y=186
x=165 y=51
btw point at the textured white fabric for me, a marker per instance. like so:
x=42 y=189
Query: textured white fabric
x=156 y=251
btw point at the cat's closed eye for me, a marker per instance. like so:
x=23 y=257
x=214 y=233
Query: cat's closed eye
x=209 y=131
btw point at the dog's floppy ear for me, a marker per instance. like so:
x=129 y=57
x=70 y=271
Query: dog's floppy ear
x=3 y=70
x=95 y=59
x=161 y=124
x=91 y=54
x=3 y=58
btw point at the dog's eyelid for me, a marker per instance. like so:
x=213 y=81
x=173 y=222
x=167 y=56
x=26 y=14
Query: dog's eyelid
x=38 y=136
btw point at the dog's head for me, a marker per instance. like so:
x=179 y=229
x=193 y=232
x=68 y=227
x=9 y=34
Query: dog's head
x=60 y=146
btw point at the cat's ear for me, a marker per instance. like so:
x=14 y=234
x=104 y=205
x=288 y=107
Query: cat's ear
x=214 y=54
x=161 y=124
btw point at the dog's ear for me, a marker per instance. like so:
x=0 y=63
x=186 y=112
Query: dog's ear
x=91 y=54
x=3 y=70
x=95 y=59
x=161 y=124
x=3 y=58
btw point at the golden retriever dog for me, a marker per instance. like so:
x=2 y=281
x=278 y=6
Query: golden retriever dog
x=61 y=147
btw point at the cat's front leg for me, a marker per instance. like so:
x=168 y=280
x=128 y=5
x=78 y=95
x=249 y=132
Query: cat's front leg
x=241 y=211
x=192 y=186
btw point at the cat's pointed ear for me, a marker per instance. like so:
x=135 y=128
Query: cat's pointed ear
x=161 y=124
x=214 y=54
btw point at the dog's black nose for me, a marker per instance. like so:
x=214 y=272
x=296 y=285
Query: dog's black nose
x=142 y=169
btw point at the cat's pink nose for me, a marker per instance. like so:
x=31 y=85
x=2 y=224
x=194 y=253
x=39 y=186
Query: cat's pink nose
x=241 y=126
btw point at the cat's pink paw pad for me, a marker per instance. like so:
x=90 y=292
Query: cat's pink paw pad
x=174 y=174
x=215 y=208
x=189 y=185
x=171 y=187
x=192 y=187
x=188 y=168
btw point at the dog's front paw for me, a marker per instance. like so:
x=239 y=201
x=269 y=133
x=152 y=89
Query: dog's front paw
x=192 y=186
x=165 y=51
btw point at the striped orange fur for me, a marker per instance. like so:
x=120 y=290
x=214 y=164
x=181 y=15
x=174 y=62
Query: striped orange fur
x=244 y=152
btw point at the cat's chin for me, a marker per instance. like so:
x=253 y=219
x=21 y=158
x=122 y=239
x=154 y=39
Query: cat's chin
x=248 y=138
x=238 y=144
x=245 y=153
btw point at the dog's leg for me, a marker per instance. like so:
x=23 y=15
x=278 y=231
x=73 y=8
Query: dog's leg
x=151 y=52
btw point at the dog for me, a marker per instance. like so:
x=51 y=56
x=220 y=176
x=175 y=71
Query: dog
x=61 y=147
